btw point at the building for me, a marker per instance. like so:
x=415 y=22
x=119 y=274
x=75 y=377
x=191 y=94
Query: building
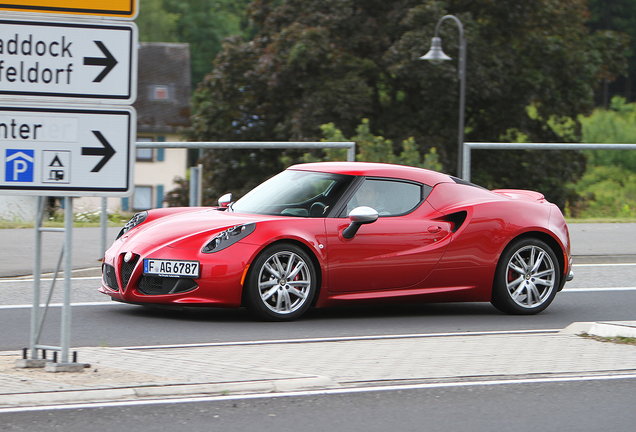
x=163 y=110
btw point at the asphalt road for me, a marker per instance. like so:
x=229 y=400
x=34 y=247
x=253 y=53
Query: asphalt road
x=599 y=292
x=581 y=406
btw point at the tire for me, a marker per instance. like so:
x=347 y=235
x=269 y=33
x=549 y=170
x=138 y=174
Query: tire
x=281 y=283
x=526 y=279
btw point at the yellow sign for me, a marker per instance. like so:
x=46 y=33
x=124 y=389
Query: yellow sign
x=123 y=9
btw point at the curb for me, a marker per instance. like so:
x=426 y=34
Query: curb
x=626 y=329
x=167 y=391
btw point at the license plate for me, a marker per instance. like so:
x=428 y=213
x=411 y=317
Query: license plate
x=171 y=268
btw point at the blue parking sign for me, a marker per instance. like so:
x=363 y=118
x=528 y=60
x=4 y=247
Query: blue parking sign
x=19 y=165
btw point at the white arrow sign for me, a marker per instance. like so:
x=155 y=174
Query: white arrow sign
x=67 y=151
x=76 y=60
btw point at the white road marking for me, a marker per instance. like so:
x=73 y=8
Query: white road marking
x=342 y=339
x=22 y=306
x=573 y=290
x=59 y=279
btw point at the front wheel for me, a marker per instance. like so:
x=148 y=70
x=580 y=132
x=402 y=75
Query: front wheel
x=281 y=283
x=526 y=279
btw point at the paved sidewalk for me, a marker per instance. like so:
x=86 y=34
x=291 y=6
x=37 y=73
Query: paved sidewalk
x=143 y=373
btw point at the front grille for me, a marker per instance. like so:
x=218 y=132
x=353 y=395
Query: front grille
x=155 y=285
x=127 y=269
x=110 y=279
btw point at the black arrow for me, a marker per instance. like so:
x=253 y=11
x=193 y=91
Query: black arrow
x=107 y=151
x=109 y=61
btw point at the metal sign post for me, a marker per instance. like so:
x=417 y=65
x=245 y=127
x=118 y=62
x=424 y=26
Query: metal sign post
x=65 y=337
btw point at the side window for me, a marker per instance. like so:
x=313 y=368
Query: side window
x=387 y=197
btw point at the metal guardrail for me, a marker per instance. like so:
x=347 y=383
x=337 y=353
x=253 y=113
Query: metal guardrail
x=469 y=146
x=349 y=145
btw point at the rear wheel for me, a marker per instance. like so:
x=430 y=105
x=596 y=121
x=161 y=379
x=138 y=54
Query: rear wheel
x=527 y=278
x=281 y=283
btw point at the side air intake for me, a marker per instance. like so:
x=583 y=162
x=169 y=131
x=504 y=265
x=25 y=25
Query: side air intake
x=457 y=219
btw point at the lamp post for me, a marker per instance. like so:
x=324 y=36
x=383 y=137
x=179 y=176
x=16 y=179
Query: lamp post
x=436 y=56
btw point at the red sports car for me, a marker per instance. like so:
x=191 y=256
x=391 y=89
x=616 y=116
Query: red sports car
x=339 y=233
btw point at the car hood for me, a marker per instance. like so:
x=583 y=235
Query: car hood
x=179 y=229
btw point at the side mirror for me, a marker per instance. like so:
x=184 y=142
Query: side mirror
x=359 y=216
x=225 y=200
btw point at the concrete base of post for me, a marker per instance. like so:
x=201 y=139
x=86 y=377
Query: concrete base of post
x=66 y=367
x=30 y=363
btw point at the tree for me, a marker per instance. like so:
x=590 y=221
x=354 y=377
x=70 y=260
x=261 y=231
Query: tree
x=619 y=16
x=339 y=61
x=155 y=23
x=373 y=148
x=203 y=24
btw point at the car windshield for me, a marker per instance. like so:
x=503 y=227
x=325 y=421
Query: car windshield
x=295 y=193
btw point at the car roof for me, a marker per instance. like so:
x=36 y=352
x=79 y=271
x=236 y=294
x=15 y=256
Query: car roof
x=371 y=169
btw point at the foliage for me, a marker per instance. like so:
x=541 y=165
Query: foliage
x=203 y=24
x=155 y=23
x=614 y=126
x=619 y=16
x=339 y=61
x=373 y=148
x=608 y=187
x=179 y=196
x=608 y=191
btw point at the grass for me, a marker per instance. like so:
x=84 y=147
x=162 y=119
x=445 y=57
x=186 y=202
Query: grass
x=81 y=220
x=600 y=220
x=25 y=225
x=618 y=340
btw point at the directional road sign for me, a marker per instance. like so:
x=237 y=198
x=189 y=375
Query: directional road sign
x=79 y=61
x=120 y=9
x=66 y=151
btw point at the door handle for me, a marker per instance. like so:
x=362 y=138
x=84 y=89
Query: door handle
x=434 y=229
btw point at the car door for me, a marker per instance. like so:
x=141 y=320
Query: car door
x=397 y=251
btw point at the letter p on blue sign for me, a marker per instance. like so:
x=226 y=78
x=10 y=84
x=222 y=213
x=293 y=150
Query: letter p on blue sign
x=19 y=165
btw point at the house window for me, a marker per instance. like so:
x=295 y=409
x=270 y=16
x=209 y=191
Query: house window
x=145 y=154
x=142 y=198
x=160 y=92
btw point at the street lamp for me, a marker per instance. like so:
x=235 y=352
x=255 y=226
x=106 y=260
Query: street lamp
x=436 y=56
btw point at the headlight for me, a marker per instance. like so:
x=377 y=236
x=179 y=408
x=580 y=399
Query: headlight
x=228 y=237
x=133 y=222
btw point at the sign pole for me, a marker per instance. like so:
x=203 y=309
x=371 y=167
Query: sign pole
x=37 y=264
x=68 y=259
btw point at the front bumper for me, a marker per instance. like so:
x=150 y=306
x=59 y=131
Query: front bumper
x=219 y=284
